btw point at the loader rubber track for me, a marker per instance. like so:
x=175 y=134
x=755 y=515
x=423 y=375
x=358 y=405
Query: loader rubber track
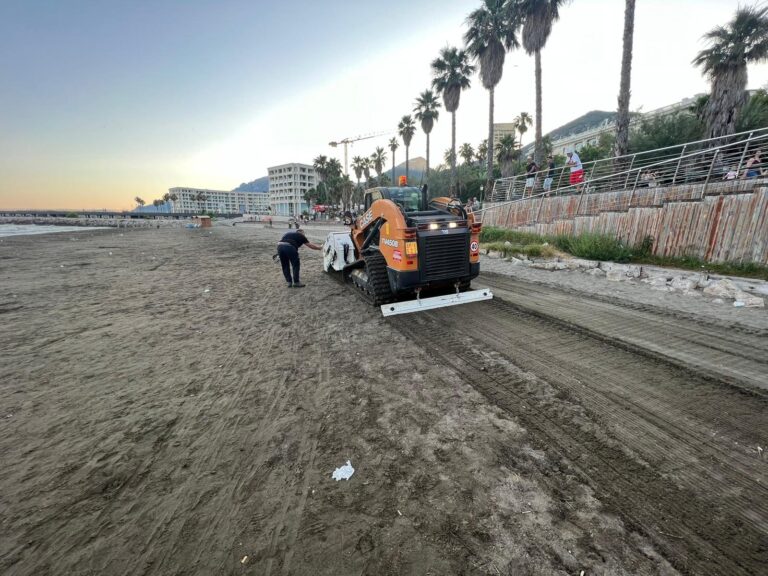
x=378 y=290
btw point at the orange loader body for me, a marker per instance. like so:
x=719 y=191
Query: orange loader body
x=405 y=243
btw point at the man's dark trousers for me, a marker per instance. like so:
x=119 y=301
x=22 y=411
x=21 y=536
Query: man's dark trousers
x=289 y=258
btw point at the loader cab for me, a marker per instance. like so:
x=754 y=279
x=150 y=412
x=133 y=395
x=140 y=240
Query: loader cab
x=408 y=198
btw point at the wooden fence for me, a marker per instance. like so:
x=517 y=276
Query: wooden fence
x=728 y=224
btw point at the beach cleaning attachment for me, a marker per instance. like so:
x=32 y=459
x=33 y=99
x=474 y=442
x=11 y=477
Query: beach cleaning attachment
x=422 y=304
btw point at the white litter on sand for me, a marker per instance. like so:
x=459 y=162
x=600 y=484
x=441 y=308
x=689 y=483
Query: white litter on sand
x=344 y=472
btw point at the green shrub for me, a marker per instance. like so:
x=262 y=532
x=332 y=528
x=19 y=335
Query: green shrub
x=493 y=234
x=71 y=215
x=594 y=247
x=516 y=249
x=602 y=247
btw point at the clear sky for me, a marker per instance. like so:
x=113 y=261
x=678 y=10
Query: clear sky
x=104 y=100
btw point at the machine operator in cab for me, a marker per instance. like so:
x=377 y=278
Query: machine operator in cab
x=288 y=251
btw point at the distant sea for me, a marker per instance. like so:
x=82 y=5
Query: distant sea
x=28 y=229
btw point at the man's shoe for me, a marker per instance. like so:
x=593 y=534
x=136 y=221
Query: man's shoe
x=289 y=285
x=298 y=285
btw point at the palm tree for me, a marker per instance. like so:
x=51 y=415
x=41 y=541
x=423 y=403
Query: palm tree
x=506 y=153
x=139 y=202
x=320 y=164
x=200 y=198
x=744 y=40
x=406 y=128
x=451 y=71
x=367 y=165
x=357 y=168
x=491 y=33
x=169 y=197
x=522 y=122
x=482 y=151
x=347 y=191
x=427 y=112
x=621 y=146
x=467 y=153
x=449 y=157
x=538 y=17
x=393 y=145
x=546 y=144
x=310 y=196
x=377 y=159
x=330 y=177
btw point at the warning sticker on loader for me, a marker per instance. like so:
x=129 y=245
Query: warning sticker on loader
x=473 y=246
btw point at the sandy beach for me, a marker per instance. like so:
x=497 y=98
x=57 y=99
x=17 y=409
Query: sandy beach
x=168 y=407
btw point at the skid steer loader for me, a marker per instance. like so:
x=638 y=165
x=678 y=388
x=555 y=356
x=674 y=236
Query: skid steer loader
x=405 y=246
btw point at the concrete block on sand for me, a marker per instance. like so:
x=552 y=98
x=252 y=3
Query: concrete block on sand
x=628 y=270
x=683 y=284
x=616 y=275
x=597 y=273
x=608 y=266
x=749 y=300
x=575 y=263
x=724 y=288
x=550 y=265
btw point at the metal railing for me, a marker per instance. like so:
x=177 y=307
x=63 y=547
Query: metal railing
x=700 y=162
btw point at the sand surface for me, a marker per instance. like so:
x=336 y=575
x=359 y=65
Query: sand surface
x=167 y=406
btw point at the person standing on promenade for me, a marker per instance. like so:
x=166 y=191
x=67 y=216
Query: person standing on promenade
x=550 y=174
x=577 y=171
x=753 y=168
x=288 y=251
x=530 y=176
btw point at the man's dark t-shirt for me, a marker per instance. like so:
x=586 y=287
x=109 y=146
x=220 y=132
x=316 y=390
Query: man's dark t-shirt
x=531 y=169
x=551 y=173
x=294 y=239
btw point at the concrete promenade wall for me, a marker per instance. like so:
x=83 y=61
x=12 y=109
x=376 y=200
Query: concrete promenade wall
x=729 y=223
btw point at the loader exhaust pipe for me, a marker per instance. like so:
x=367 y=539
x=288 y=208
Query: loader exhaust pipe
x=424 y=197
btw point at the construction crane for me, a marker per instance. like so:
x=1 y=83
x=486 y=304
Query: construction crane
x=347 y=141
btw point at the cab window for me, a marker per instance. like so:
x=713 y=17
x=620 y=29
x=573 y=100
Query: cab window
x=408 y=198
x=371 y=197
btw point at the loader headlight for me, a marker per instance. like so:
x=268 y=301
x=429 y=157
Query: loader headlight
x=452 y=224
x=411 y=248
x=434 y=226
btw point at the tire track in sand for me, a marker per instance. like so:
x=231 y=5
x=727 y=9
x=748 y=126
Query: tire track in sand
x=699 y=530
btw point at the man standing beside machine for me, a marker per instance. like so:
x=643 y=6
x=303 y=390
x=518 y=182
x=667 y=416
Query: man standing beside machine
x=288 y=251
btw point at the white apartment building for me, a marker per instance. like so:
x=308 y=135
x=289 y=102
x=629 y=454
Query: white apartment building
x=578 y=140
x=195 y=200
x=288 y=183
x=501 y=130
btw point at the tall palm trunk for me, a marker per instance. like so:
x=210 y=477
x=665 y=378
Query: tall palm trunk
x=427 y=178
x=406 y=163
x=453 y=154
x=489 y=159
x=393 y=168
x=727 y=98
x=622 y=115
x=539 y=150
